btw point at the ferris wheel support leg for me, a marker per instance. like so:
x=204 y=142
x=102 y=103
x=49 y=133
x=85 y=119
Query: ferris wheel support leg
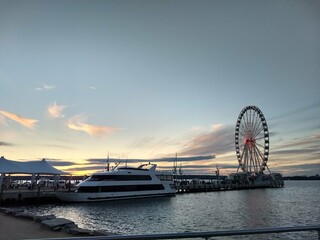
x=270 y=173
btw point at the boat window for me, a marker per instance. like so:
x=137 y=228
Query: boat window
x=130 y=188
x=130 y=168
x=120 y=177
x=88 y=189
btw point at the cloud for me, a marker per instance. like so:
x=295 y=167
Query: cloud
x=74 y=168
x=303 y=166
x=2 y=120
x=305 y=148
x=57 y=146
x=6 y=144
x=219 y=141
x=92 y=88
x=76 y=123
x=137 y=160
x=29 y=123
x=61 y=163
x=296 y=156
x=308 y=141
x=45 y=87
x=96 y=164
x=300 y=169
x=55 y=110
x=295 y=151
x=298 y=111
x=186 y=159
x=142 y=142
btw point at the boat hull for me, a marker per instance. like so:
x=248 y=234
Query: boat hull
x=99 y=197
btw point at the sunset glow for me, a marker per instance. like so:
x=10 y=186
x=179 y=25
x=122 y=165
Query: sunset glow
x=141 y=81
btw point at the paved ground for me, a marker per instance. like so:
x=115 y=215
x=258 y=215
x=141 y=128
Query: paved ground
x=14 y=228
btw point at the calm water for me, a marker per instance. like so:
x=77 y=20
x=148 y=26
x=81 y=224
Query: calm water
x=298 y=203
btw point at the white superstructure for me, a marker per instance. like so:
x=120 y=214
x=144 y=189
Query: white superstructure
x=122 y=183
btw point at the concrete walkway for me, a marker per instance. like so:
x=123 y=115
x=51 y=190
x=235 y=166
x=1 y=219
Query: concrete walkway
x=13 y=228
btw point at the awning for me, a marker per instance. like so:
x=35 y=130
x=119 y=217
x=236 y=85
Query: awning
x=28 y=167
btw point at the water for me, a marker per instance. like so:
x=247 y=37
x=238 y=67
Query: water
x=297 y=204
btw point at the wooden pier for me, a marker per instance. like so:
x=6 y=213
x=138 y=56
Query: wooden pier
x=47 y=194
x=34 y=196
x=204 y=186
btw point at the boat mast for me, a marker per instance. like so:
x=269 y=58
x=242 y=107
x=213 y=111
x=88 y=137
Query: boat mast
x=217 y=172
x=108 y=164
x=175 y=166
x=218 y=175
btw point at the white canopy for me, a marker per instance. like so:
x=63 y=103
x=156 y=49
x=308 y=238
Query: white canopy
x=30 y=167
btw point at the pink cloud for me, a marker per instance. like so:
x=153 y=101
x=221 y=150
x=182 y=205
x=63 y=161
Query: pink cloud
x=76 y=123
x=55 y=110
x=29 y=123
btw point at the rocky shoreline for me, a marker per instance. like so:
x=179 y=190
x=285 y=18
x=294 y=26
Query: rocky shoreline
x=53 y=223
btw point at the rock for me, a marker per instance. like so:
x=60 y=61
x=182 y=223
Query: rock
x=13 y=211
x=3 y=210
x=72 y=225
x=8 y=211
x=56 y=229
x=79 y=231
x=42 y=218
x=24 y=215
x=56 y=222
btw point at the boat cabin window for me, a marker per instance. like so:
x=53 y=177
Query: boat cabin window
x=88 y=189
x=130 y=168
x=120 y=177
x=125 y=188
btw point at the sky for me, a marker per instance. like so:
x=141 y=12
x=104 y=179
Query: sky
x=144 y=80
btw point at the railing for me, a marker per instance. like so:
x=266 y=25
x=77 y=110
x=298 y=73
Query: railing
x=204 y=235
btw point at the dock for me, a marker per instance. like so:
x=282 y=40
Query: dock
x=204 y=186
x=40 y=195
x=27 y=196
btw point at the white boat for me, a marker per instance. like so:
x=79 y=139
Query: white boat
x=122 y=183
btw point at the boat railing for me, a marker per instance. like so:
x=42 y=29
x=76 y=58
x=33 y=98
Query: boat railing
x=203 y=235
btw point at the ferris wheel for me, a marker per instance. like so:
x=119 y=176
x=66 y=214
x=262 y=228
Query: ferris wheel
x=252 y=140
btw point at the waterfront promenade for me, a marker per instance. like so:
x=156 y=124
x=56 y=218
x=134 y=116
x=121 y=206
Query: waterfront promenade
x=12 y=228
